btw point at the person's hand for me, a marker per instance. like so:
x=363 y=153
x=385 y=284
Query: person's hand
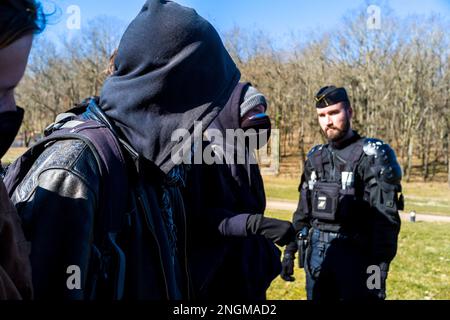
x=287 y=267
x=281 y=232
x=381 y=293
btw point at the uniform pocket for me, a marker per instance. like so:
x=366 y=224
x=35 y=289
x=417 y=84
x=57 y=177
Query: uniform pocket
x=315 y=256
x=325 y=200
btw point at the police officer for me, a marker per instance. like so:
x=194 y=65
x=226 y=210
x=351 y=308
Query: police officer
x=347 y=219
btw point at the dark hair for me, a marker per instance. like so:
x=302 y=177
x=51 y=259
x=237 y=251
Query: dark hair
x=347 y=104
x=111 y=65
x=19 y=18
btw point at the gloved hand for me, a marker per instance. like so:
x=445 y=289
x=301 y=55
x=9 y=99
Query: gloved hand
x=379 y=293
x=384 y=268
x=280 y=232
x=287 y=267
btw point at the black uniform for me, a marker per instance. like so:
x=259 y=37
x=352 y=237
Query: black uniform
x=348 y=209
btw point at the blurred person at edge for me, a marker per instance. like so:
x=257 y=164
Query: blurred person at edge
x=19 y=21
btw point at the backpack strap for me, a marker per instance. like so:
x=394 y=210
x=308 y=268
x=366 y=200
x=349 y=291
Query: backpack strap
x=114 y=188
x=113 y=182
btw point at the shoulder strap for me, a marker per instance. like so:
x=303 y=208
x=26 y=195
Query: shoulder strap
x=113 y=181
x=355 y=156
x=111 y=163
x=316 y=157
x=113 y=170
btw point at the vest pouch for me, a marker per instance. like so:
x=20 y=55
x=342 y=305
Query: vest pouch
x=325 y=200
x=348 y=205
x=304 y=201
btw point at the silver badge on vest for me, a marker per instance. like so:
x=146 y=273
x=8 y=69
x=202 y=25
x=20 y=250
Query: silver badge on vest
x=347 y=180
x=322 y=203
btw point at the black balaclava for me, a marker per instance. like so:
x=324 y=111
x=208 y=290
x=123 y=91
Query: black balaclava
x=9 y=126
x=171 y=69
x=247 y=175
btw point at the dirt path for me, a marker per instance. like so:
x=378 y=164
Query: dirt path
x=292 y=205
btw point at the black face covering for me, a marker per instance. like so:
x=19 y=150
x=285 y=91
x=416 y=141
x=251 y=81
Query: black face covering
x=229 y=118
x=9 y=126
x=260 y=123
x=246 y=175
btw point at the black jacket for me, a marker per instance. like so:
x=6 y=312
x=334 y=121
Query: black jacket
x=171 y=70
x=58 y=202
x=225 y=267
x=373 y=215
x=228 y=267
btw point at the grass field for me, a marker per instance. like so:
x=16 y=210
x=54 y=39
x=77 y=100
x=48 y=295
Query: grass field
x=13 y=154
x=421 y=269
x=431 y=197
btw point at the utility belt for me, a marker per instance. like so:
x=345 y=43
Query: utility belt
x=326 y=236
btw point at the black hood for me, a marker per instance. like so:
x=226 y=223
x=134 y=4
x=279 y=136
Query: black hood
x=247 y=175
x=229 y=117
x=171 y=69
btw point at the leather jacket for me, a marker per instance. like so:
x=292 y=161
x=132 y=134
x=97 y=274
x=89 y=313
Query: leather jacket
x=58 y=202
x=15 y=269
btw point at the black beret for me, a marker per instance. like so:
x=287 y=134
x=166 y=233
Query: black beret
x=330 y=95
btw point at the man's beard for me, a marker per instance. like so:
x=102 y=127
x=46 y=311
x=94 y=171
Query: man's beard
x=337 y=134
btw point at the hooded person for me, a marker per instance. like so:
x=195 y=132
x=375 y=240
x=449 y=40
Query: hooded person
x=232 y=251
x=171 y=69
x=19 y=21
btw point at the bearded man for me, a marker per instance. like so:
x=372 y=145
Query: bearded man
x=347 y=220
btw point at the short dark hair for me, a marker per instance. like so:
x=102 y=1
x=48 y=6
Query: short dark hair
x=19 y=18
x=347 y=104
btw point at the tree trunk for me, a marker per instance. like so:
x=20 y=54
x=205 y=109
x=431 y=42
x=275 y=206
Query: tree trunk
x=435 y=162
x=447 y=156
x=27 y=136
x=409 y=158
x=301 y=147
x=426 y=156
x=446 y=150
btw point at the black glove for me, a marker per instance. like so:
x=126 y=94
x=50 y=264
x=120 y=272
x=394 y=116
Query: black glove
x=287 y=267
x=384 y=268
x=380 y=293
x=279 y=231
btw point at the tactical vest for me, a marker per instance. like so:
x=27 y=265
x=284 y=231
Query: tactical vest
x=334 y=199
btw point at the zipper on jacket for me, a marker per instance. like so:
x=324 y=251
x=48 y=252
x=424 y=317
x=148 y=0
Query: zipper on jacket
x=186 y=266
x=152 y=231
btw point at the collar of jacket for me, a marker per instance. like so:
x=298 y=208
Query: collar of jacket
x=142 y=165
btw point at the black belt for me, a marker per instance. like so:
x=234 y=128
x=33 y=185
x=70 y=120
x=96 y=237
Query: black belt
x=327 y=236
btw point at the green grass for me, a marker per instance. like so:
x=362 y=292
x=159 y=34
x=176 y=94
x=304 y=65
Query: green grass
x=12 y=154
x=421 y=269
x=430 y=198
x=281 y=188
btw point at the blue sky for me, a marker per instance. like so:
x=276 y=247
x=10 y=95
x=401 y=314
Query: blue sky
x=276 y=17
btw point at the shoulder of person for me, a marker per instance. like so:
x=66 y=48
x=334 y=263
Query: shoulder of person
x=376 y=147
x=314 y=150
x=383 y=160
x=71 y=157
